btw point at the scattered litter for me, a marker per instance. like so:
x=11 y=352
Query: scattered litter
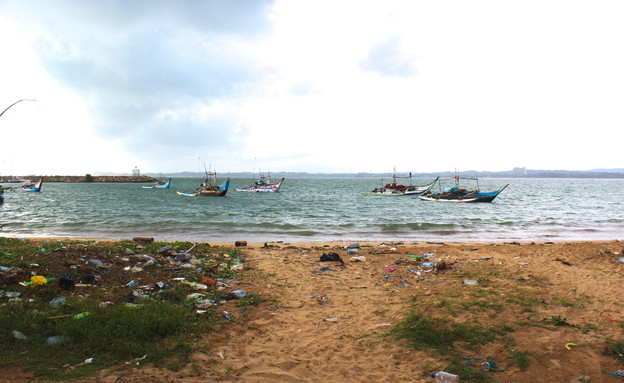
x=331 y=257
x=331 y=320
x=322 y=300
x=359 y=258
x=58 y=302
x=81 y=315
x=95 y=263
x=567 y=346
x=38 y=280
x=19 y=335
x=66 y=283
x=445 y=377
x=10 y=294
x=470 y=282
x=56 y=339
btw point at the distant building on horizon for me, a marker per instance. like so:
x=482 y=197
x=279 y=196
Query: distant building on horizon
x=136 y=172
x=519 y=172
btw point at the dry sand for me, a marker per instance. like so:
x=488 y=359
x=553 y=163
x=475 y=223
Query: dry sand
x=331 y=326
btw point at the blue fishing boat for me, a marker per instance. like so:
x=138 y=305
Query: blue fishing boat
x=459 y=194
x=207 y=188
x=159 y=185
x=29 y=187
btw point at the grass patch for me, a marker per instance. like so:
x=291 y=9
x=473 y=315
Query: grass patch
x=523 y=298
x=519 y=359
x=615 y=348
x=160 y=330
x=156 y=320
x=563 y=302
x=423 y=332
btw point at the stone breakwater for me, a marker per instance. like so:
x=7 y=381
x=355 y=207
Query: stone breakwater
x=128 y=179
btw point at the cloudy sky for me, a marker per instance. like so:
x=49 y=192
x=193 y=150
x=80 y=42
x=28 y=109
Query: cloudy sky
x=315 y=86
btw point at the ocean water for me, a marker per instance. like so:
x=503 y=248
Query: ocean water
x=319 y=210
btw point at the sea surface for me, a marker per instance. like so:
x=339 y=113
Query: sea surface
x=319 y=210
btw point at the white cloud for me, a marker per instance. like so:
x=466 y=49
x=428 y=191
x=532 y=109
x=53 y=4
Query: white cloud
x=313 y=86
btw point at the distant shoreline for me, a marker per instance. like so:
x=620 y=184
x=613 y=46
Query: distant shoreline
x=83 y=179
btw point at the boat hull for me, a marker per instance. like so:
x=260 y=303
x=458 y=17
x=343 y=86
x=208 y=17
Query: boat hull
x=206 y=192
x=463 y=197
x=158 y=185
x=36 y=188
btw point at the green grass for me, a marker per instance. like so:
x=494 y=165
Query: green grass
x=615 y=348
x=563 y=302
x=423 y=332
x=165 y=332
x=160 y=330
x=519 y=359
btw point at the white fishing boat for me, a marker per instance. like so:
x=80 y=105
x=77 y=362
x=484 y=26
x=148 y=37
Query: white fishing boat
x=396 y=189
x=262 y=186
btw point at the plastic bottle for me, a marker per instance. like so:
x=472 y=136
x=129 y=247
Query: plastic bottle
x=55 y=339
x=445 y=377
x=58 y=302
x=239 y=293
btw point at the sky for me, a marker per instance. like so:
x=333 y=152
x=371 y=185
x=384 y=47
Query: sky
x=310 y=86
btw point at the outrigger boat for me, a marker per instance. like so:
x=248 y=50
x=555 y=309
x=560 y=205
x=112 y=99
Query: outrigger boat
x=262 y=187
x=394 y=189
x=159 y=185
x=458 y=194
x=29 y=187
x=207 y=189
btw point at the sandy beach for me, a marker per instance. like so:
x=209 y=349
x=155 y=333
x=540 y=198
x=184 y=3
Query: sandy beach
x=559 y=304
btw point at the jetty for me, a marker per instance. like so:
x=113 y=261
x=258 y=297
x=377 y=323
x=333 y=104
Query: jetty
x=86 y=178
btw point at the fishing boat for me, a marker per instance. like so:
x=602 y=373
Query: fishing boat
x=261 y=186
x=395 y=189
x=161 y=184
x=29 y=187
x=459 y=194
x=208 y=189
